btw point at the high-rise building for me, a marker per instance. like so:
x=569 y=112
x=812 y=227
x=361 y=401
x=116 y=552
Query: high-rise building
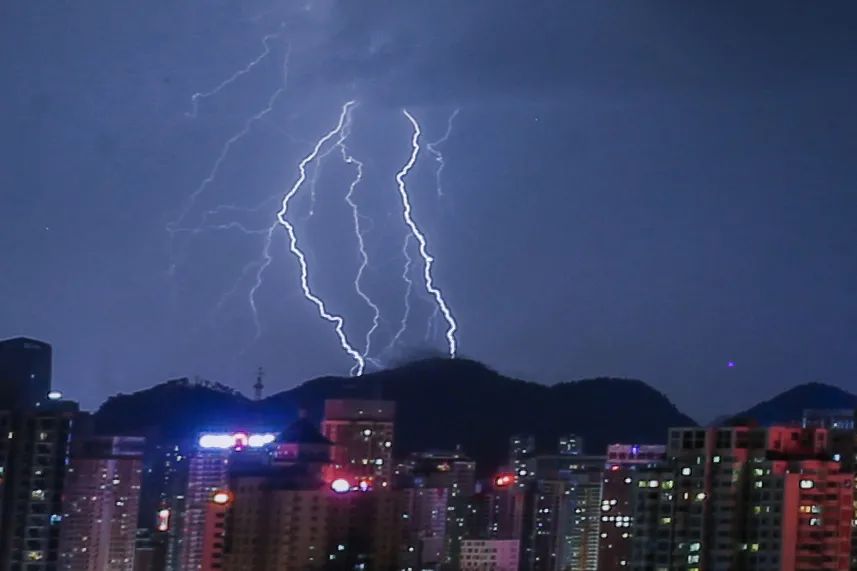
x=101 y=502
x=490 y=554
x=743 y=497
x=451 y=471
x=162 y=500
x=624 y=462
x=522 y=447
x=207 y=473
x=564 y=528
x=284 y=515
x=34 y=451
x=179 y=479
x=214 y=531
x=423 y=513
x=499 y=510
x=362 y=435
x=25 y=373
x=149 y=551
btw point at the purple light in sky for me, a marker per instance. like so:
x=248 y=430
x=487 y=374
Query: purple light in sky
x=730 y=364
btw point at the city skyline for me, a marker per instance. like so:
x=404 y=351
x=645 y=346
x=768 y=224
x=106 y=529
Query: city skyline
x=648 y=191
x=339 y=492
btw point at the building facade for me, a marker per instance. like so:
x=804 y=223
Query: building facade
x=34 y=451
x=624 y=463
x=745 y=498
x=362 y=435
x=490 y=555
x=99 y=525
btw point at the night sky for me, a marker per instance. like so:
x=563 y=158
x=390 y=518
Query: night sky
x=641 y=189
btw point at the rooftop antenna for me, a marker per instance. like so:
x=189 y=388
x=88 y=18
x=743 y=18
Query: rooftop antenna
x=257 y=388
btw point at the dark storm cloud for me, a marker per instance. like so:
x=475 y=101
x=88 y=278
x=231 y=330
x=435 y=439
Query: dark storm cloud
x=442 y=51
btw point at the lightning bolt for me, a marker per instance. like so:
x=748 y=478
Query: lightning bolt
x=409 y=286
x=195 y=98
x=438 y=156
x=428 y=260
x=431 y=325
x=316 y=172
x=364 y=257
x=282 y=220
x=174 y=227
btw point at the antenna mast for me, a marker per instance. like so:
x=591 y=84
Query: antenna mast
x=257 y=388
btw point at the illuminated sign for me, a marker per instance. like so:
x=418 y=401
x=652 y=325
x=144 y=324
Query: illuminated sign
x=237 y=440
x=164 y=520
x=221 y=497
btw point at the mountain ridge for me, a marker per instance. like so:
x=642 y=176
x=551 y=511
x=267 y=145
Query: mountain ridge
x=441 y=403
x=446 y=403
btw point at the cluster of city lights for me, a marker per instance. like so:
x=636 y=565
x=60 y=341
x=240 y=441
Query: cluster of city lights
x=343 y=486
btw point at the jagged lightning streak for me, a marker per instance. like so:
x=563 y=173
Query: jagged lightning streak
x=175 y=226
x=431 y=325
x=409 y=286
x=364 y=257
x=438 y=156
x=281 y=220
x=421 y=240
x=194 y=99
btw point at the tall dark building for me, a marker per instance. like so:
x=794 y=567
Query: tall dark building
x=34 y=450
x=25 y=373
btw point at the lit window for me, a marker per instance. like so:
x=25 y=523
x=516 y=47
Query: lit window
x=806 y=484
x=685 y=471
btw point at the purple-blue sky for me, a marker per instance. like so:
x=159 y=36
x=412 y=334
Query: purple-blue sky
x=643 y=189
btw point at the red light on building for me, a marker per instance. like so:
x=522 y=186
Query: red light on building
x=221 y=497
x=504 y=480
x=242 y=440
x=163 y=520
x=340 y=486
